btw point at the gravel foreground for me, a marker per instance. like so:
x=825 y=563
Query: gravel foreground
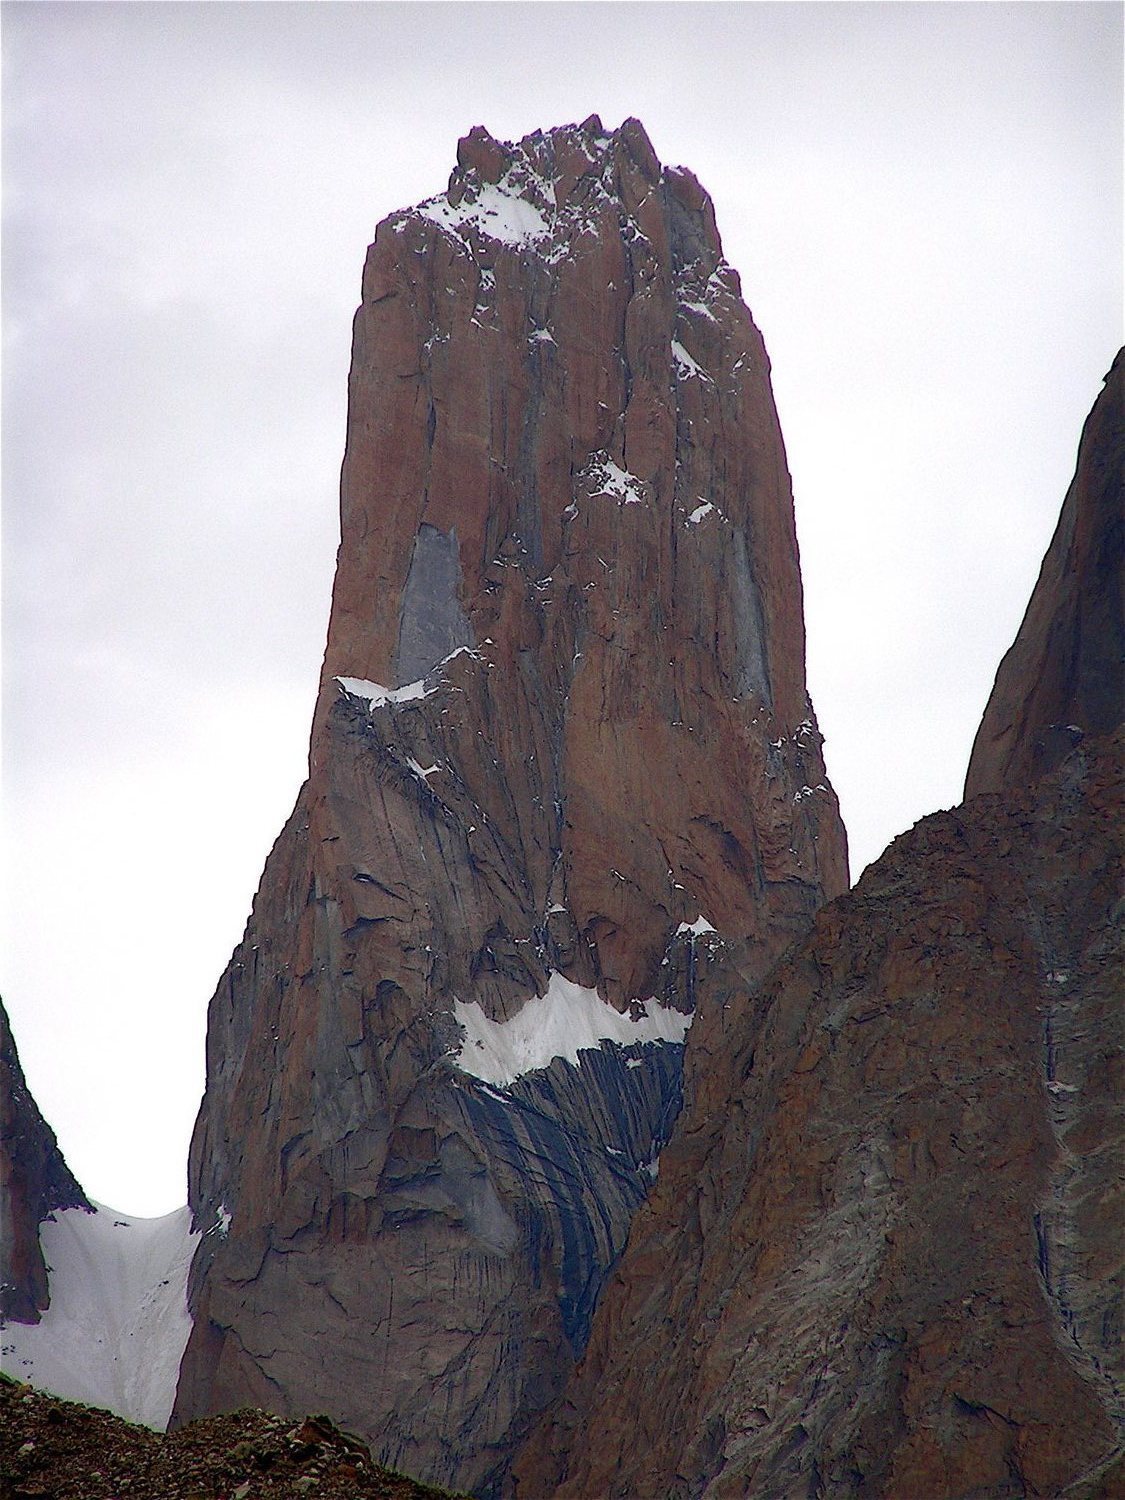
x=52 y=1449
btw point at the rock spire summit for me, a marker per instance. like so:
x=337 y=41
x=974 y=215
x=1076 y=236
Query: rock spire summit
x=562 y=754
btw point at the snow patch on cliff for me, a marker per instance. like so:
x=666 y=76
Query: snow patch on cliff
x=611 y=479
x=422 y=771
x=567 y=1020
x=685 y=365
x=118 y=1322
x=376 y=695
x=696 y=928
x=701 y=308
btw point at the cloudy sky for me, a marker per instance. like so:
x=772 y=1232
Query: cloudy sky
x=925 y=206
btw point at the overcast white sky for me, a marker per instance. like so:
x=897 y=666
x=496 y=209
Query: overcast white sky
x=925 y=206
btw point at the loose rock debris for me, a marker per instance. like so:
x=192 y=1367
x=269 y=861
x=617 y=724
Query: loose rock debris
x=52 y=1449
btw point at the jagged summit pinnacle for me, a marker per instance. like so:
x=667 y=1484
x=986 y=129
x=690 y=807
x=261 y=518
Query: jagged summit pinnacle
x=545 y=190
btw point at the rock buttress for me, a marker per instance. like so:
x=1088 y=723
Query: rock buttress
x=562 y=750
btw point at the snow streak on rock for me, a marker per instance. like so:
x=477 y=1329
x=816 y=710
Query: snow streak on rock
x=567 y=1020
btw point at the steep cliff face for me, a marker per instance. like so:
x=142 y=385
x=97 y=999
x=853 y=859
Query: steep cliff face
x=562 y=752
x=884 y=1253
x=1064 y=677
x=34 y=1182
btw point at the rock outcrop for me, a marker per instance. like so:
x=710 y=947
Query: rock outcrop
x=34 y=1182
x=562 y=753
x=885 y=1254
x=1064 y=677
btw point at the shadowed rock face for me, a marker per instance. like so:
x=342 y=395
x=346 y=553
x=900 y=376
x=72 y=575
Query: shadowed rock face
x=884 y=1256
x=34 y=1181
x=568 y=557
x=1064 y=676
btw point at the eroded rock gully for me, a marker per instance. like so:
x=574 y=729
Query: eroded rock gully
x=563 y=749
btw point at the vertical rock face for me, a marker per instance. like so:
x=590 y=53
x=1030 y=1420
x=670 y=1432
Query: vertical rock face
x=562 y=754
x=34 y=1181
x=884 y=1256
x=1064 y=676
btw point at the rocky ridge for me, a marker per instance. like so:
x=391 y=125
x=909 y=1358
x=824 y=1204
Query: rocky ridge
x=884 y=1254
x=562 y=754
x=61 y=1450
x=34 y=1181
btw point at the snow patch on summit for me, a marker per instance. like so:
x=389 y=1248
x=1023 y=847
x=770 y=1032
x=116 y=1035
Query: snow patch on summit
x=517 y=211
x=118 y=1322
x=502 y=215
x=567 y=1020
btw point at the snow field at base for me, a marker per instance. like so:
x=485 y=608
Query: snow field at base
x=567 y=1020
x=118 y=1322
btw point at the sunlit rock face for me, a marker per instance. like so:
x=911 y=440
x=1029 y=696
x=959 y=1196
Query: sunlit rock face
x=562 y=757
x=884 y=1254
x=34 y=1181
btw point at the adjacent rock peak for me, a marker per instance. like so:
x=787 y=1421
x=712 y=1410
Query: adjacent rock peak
x=34 y=1181
x=482 y=153
x=1063 y=680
